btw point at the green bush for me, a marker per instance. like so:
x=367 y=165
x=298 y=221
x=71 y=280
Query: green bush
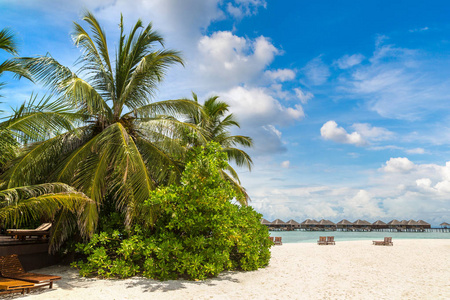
x=198 y=233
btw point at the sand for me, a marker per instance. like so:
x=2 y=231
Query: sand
x=411 y=269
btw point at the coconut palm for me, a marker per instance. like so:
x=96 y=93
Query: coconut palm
x=8 y=44
x=68 y=209
x=56 y=202
x=124 y=144
x=33 y=121
x=213 y=119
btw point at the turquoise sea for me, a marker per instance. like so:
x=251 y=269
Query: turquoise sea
x=313 y=236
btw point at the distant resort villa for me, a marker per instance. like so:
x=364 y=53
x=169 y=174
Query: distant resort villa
x=358 y=225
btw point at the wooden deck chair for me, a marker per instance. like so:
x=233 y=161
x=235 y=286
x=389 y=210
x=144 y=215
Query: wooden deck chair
x=322 y=240
x=278 y=240
x=388 y=241
x=41 y=232
x=330 y=240
x=271 y=238
x=8 y=286
x=10 y=267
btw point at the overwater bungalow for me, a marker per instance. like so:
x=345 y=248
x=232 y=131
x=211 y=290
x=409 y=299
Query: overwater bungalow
x=309 y=224
x=265 y=222
x=411 y=224
x=444 y=225
x=424 y=224
x=278 y=225
x=379 y=225
x=292 y=224
x=362 y=225
x=326 y=225
x=393 y=224
x=344 y=224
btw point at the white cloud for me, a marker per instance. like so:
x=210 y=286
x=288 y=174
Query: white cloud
x=398 y=165
x=259 y=114
x=347 y=61
x=243 y=8
x=255 y=106
x=419 y=29
x=399 y=83
x=415 y=151
x=331 y=131
x=316 y=71
x=372 y=133
x=227 y=60
x=281 y=74
x=303 y=96
x=285 y=164
x=362 y=205
x=424 y=183
x=420 y=193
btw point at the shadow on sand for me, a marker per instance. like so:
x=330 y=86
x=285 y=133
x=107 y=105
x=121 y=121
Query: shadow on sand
x=71 y=280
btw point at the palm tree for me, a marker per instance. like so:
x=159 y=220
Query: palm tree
x=60 y=203
x=213 y=119
x=67 y=208
x=124 y=144
x=8 y=44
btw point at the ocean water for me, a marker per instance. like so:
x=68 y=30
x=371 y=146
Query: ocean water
x=313 y=236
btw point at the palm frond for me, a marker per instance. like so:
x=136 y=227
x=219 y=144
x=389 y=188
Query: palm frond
x=240 y=157
x=35 y=119
x=242 y=197
x=7 y=41
x=173 y=108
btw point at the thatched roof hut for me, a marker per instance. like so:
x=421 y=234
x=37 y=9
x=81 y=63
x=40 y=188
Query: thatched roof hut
x=293 y=223
x=424 y=224
x=394 y=223
x=344 y=223
x=361 y=223
x=326 y=223
x=403 y=222
x=278 y=222
x=308 y=223
x=379 y=224
x=412 y=223
x=265 y=222
x=444 y=225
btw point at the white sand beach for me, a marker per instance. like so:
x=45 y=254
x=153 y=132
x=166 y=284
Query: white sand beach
x=411 y=269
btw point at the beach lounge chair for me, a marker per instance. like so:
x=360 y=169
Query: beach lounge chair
x=278 y=240
x=386 y=242
x=271 y=238
x=8 y=286
x=10 y=267
x=322 y=240
x=41 y=232
x=330 y=240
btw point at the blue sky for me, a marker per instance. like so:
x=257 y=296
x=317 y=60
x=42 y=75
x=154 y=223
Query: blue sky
x=348 y=102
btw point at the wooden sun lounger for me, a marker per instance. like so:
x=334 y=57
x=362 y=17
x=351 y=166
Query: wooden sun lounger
x=10 y=267
x=387 y=242
x=42 y=231
x=278 y=240
x=322 y=240
x=271 y=238
x=330 y=240
x=8 y=286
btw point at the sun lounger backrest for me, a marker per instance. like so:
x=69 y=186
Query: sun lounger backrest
x=44 y=226
x=10 y=265
x=322 y=238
